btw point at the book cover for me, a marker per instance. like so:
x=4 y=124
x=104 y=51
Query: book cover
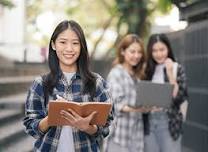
x=83 y=109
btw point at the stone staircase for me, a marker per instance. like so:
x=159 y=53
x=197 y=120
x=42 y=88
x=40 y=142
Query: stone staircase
x=12 y=135
x=14 y=83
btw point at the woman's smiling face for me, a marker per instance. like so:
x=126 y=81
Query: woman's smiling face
x=132 y=54
x=67 y=47
x=159 y=52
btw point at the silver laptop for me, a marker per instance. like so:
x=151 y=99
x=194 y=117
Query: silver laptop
x=154 y=94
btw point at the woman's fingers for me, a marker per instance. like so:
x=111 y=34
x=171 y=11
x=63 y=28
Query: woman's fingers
x=60 y=99
x=91 y=116
x=76 y=115
x=75 y=120
x=68 y=116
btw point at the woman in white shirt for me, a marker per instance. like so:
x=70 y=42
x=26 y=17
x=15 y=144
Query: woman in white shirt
x=163 y=127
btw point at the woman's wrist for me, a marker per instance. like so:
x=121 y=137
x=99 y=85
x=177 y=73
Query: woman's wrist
x=128 y=109
x=43 y=124
x=92 y=129
x=134 y=109
x=172 y=80
x=175 y=90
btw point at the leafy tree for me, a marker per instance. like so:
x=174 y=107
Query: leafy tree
x=34 y=8
x=136 y=14
x=124 y=16
x=7 y=3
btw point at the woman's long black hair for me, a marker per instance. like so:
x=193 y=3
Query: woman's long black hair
x=151 y=63
x=88 y=79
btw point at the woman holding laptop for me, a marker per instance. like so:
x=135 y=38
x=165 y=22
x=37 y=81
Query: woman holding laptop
x=164 y=125
x=128 y=69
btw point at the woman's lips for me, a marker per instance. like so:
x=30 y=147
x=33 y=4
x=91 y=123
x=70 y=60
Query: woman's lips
x=68 y=55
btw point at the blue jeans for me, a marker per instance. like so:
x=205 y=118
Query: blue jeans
x=115 y=147
x=159 y=139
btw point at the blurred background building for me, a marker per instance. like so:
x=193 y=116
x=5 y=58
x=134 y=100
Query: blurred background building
x=12 y=29
x=191 y=48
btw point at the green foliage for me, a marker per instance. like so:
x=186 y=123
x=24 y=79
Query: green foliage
x=164 y=5
x=33 y=8
x=132 y=14
x=122 y=16
x=137 y=14
x=7 y=3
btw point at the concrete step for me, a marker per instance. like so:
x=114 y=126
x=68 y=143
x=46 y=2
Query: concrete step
x=13 y=88
x=12 y=105
x=11 y=132
x=20 y=97
x=12 y=135
x=12 y=85
x=25 y=144
x=8 y=115
x=22 y=69
x=15 y=79
x=15 y=101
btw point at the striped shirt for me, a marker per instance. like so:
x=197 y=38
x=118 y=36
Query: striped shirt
x=36 y=109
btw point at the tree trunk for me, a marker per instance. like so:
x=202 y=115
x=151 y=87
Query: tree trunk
x=105 y=27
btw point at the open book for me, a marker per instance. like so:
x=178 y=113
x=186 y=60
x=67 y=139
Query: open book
x=83 y=109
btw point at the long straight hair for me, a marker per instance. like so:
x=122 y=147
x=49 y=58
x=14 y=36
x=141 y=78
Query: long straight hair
x=124 y=44
x=151 y=63
x=88 y=79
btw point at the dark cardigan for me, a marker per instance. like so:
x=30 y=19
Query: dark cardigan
x=174 y=114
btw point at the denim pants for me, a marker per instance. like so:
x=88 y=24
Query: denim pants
x=115 y=147
x=159 y=138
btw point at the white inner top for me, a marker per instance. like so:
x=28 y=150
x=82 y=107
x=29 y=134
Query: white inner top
x=158 y=76
x=66 y=142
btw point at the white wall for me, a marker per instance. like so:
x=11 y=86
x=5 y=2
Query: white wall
x=12 y=31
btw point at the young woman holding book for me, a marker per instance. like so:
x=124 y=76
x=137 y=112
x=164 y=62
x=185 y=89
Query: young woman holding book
x=164 y=126
x=70 y=78
x=128 y=69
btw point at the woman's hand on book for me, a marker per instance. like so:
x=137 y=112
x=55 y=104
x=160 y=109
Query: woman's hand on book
x=81 y=123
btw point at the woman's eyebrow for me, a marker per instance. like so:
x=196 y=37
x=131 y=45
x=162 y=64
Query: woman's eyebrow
x=75 y=39
x=63 y=38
